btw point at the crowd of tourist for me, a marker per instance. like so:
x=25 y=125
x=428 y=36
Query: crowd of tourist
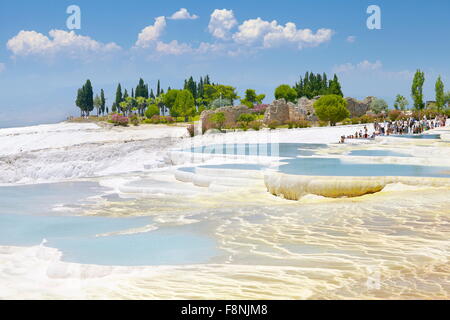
x=398 y=127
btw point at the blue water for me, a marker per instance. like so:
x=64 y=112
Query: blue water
x=377 y=153
x=26 y=219
x=418 y=136
x=41 y=198
x=335 y=167
x=269 y=149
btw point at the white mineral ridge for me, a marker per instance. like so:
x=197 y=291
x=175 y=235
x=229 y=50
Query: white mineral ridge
x=57 y=152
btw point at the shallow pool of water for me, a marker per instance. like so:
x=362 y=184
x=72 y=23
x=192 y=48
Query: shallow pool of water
x=418 y=136
x=269 y=149
x=336 y=167
x=27 y=218
x=377 y=153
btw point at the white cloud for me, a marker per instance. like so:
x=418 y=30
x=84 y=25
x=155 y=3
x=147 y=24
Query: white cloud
x=183 y=14
x=362 y=66
x=173 y=48
x=343 y=68
x=2 y=67
x=351 y=39
x=253 y=30
x=27 y=43
x=221 y=22
x=367 y=65
x=150 y=34
x=272 y=34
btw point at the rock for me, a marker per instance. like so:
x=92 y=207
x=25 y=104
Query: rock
x=231 y=113
x=359 y=108
x=283 y=112
x=277 y=111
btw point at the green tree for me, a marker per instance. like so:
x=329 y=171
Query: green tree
x=158 y=89
x=191 y=85
x=141 y=90
x=378 y=106
x=251 y=98
x=312 y=85
x=335 y=87
x=79 y=101
x=169 y=98
x=332 y=108
x=400 y=102
x=141 y=104
x=119 y=97
x=212 y=92
x=447 y=99
x=440 y=95
x=417 y=90
x=184 y=105
x=88 y=97
x=103 y=101
x=285 y=92
x=98 y=104
x=218 y=119
x=152 y=110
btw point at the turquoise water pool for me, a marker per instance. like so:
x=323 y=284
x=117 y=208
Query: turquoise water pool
x=377 y=153
x=26 y=219
x=418 y=136
x=336 y=167
x=266 y=149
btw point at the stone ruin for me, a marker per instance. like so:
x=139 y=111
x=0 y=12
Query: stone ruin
x=283 y=112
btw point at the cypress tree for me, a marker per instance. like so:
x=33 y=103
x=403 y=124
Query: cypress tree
x=158 y=89
x=102 y=97
x=88 y=94
x=119 y=97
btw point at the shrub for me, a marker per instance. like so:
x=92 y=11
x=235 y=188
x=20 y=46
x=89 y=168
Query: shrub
x=323 y=123
x=218 y=119
x=302 y=124
x=246 y=118
x=243 y=125
x=273 y=124
x=367 y=119
x=191 y=130
x=255 y=125
x=394 y=114
x=332 y=108
x=169 y=119
x=151 y=111
x=355 y=120
x=347 y=121
x=134 y=119
x=119 y=120
x=291 y=124
x=260 y=108
x=155 y=119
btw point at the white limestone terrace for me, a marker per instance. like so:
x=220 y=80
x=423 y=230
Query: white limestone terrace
x=58 y=152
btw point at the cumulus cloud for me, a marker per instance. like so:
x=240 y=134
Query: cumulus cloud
x=27 y=43
x=221 y=22
x=351 y=39
x=172 y=48
x=183 y=14
x=150 y=34
x=271 y=34
x=361 y=66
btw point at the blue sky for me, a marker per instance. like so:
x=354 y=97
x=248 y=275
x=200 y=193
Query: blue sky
x=247 y=44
